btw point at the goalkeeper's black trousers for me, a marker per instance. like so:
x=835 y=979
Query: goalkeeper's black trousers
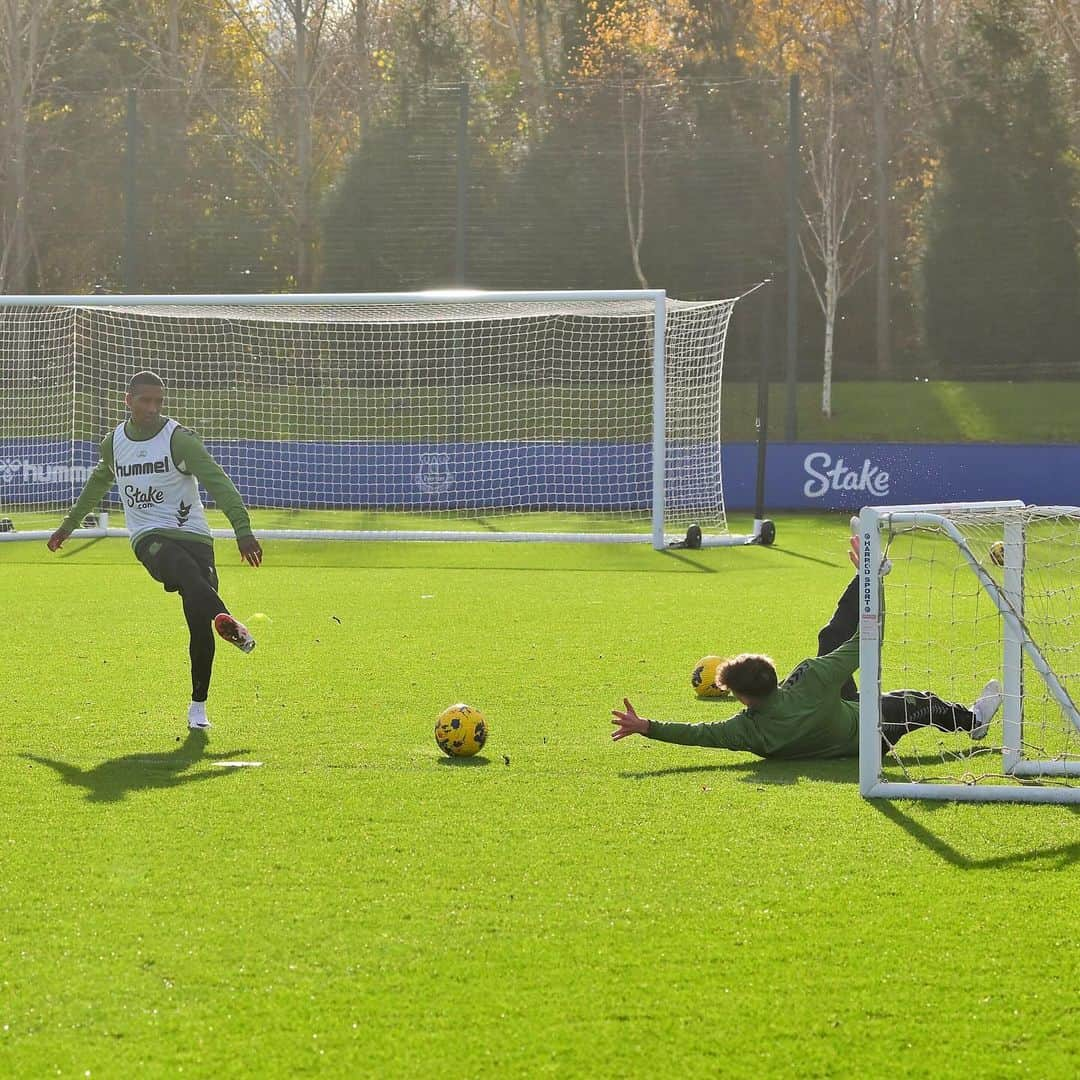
x=902 y=711
x=187 y=567
x=840 y=628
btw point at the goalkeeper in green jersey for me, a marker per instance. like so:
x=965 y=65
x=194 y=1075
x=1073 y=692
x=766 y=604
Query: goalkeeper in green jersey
x=157 y=465
x=814 y=712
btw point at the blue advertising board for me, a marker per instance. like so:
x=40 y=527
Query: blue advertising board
x=847 y=476
x=593 y=475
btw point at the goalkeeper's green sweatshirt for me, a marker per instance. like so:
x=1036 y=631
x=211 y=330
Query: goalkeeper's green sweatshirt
x=805 y=717
x=191 y=457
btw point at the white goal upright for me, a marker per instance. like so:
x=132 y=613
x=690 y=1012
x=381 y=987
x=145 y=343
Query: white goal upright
x=460 y=415
x=973 y=591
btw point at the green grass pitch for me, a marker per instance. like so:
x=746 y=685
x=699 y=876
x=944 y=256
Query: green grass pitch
x=563 y=906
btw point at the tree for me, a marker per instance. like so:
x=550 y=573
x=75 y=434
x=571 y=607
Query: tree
x=388 y=223
x=199 y=215
x=1000 y=275
x=28 y=30
x=881 y=43
x=293 y=40
x=635 y=43
x=834 y=253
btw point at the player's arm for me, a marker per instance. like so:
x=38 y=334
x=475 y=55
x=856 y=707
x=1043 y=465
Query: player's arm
x=97 y=484
x=191 y=456
x=718 y=734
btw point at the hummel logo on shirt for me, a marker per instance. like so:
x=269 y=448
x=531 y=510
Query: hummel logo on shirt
x=141 y=468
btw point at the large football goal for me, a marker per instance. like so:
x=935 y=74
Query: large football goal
x=459 y=415
x=951 y=597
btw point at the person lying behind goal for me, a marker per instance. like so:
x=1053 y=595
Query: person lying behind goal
x=814 y=712
x=156 y=464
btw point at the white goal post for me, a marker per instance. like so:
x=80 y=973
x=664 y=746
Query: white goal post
x=972 y=592
x=583 y=416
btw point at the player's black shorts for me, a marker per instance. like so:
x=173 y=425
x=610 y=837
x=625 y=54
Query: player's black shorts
x=177 y=563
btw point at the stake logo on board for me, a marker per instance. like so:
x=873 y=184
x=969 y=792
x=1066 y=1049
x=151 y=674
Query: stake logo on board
x=827 y=475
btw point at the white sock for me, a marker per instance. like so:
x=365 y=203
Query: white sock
x=197 y=712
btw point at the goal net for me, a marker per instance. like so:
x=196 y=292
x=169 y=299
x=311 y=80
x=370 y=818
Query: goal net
x=494 y=416
x=973 y=592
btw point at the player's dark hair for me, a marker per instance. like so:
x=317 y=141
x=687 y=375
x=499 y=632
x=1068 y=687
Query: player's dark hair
x=144 y=378
x=749 y=674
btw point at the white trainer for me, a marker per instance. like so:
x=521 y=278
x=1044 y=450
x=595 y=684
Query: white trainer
x=196 y=716
x=985 y=707
x=234 y=632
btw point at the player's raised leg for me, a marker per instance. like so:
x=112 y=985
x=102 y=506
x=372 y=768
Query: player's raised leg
x=840 y=628
x=904 y=711
x=234 y=631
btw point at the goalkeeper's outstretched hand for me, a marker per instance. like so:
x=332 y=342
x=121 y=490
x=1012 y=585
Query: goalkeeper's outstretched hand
x=56 y=541
x=250 y=550
x=629 y=722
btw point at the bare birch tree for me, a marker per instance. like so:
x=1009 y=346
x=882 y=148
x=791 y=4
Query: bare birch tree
x=633 y=142
x=834 y=249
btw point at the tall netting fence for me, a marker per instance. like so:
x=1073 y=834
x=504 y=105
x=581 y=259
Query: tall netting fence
x=678 y=186
x=681 y=185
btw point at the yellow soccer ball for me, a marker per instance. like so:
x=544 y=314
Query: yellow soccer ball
x=461 y=731
x=703 y=678
x=997 y=553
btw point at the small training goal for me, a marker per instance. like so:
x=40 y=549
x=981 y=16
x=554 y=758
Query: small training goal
x=973 y=592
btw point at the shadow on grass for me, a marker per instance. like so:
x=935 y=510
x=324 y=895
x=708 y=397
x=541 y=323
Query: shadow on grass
x=80 y=547
x=1062 y=856
x=112 y=780
x=773 y=773
x=792 y=554
x=680 y=556
x=782 y=773
x=464 y=762
x=531 y=557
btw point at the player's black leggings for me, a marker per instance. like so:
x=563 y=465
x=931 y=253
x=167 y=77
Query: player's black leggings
x=187 y=567
x=902 y=711
x=844 y=623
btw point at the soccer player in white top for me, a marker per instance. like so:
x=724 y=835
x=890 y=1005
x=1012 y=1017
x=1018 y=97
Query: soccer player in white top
x=157 y=466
